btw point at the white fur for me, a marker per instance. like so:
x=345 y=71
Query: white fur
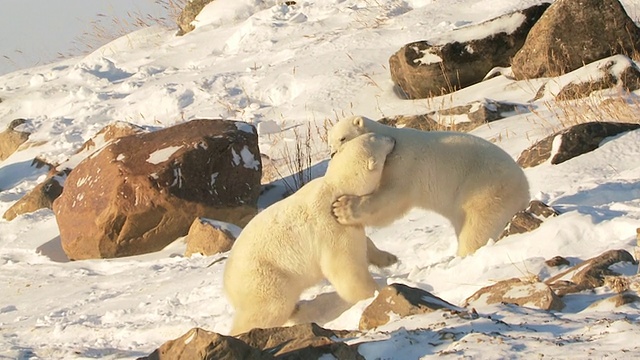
x=470 y=181
x=296 y=242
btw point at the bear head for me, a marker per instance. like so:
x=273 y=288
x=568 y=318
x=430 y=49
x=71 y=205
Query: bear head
x=357 y=168
x=345 y=130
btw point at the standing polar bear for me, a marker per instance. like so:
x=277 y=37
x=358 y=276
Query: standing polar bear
x=295 y=243
x=468 y=180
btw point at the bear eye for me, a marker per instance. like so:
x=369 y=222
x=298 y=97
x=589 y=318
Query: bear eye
x=342 y=139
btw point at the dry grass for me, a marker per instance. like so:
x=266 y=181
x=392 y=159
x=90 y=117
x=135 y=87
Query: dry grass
x=296 y=156
x=106 y=27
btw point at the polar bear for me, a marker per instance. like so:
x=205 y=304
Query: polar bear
x=296 y=242
x=468 y=180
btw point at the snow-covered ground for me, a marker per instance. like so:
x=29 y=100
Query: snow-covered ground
x=285 y=68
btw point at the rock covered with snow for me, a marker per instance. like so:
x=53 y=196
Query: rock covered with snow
x=519 y=292
x=140 y=192
x=571 y=142
x=589 y=274
x=457 y=118
x=430 y=68
x=572 y=33
x=616 y=72
x=209 y=237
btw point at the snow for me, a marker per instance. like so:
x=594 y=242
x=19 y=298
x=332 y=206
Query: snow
x=293 y=69
x=161 y=155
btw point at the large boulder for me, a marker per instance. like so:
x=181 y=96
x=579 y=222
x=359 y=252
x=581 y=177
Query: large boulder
x=431 y=68
x=572 y=33
x=571 y=142
x=11 y=139
x=44 y=194
x=141 y=192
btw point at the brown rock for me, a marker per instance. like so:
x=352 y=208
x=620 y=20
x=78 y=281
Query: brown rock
x=138 y=194
x=423 y=69
x=588 y=274
x=11 y=139
x=199 y=344
x=574 y=141
x=403 y=301
x=207 y=237
x=303 y=341
x=528 y=219
x=41 y=197
x=572 y=33
x=518 y=292
x=557 y=261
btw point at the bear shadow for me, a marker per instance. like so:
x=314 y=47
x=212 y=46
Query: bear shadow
x=324 y=308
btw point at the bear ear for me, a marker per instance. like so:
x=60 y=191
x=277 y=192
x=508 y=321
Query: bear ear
x=372 y=163
x=358 y=121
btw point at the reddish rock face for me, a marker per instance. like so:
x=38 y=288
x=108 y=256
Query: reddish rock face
x=141 y=192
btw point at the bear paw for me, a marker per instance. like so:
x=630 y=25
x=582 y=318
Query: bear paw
x=383 y=259
x=345 y=209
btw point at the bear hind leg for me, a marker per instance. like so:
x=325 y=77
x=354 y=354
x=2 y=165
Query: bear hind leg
x=484 y=218
x=271 y=305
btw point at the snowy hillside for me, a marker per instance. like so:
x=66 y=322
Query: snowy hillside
x=286 y=69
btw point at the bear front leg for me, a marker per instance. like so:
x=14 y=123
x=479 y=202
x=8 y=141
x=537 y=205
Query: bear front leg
x=378 y=209
x=379 y=258
x=349 y=274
